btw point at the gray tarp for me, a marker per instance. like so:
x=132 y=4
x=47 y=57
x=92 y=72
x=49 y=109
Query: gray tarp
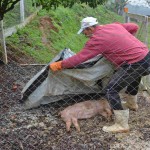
x=47 y=86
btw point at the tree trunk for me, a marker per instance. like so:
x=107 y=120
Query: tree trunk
x=3 y=43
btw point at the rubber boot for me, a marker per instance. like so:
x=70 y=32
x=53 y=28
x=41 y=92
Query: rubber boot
x=121 y=122
x=131 y=102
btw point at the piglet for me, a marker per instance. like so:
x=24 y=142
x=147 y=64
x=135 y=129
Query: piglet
x=83 y=110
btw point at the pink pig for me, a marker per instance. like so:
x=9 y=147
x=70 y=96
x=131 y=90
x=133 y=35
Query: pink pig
x=83 y=110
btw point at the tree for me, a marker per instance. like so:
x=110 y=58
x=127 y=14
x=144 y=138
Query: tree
x=120 y=5
x=117 y=6
x=5 y=6
x=48 y=4
x=148 y=2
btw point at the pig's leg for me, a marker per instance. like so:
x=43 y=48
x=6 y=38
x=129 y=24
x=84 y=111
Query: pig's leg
x=104 y=114
x=75 y=122
x=68 y=125
x=109 y=113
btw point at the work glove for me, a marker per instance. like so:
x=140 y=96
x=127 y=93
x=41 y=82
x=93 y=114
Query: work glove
x=55 y=66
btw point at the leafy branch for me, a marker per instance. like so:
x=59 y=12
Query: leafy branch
x=5 y=6
x=48 y=4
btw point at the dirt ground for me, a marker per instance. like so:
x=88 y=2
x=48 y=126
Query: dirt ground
x=41 y=128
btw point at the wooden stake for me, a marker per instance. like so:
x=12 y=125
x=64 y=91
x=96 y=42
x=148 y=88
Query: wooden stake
x=3 y=43
x=33 y=64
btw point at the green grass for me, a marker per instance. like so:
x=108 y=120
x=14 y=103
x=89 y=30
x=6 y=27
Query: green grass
x=67 y=22
x=12 y=18
x=28 y=40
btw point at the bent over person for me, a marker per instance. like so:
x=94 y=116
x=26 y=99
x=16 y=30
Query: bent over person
x=131 y=57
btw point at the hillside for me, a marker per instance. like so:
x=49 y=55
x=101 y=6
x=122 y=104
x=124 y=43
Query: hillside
x=52 y=31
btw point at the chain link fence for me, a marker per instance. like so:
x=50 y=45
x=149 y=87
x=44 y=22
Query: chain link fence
x=143 y=35
x=41 y=126
x=15 y=19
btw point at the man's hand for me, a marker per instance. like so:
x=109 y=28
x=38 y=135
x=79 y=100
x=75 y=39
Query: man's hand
x=55 y=66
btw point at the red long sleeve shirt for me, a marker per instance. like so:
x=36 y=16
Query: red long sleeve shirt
x=115 y=42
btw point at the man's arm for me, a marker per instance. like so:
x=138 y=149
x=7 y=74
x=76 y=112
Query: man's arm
x=84 y=55
x=91 y=49
x=131 y=27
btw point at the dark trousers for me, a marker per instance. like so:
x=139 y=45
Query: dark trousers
x=128 y=75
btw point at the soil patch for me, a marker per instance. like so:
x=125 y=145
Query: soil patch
x=46 y=25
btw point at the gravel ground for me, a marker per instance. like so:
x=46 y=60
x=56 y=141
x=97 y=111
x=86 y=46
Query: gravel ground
x=41 y=128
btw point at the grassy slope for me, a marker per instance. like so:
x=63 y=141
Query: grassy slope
x=67 y=22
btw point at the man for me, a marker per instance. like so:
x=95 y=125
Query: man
x=131 y=57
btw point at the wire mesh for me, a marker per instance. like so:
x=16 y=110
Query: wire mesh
x=42 y=127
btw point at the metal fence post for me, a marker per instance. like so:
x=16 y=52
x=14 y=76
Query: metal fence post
x=22 y=16
x=146 y=37
x=3 y=43
x=125 y=15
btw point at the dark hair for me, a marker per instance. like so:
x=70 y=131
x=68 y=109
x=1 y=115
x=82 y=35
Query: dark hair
x=95 y=25
x=92 y=26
